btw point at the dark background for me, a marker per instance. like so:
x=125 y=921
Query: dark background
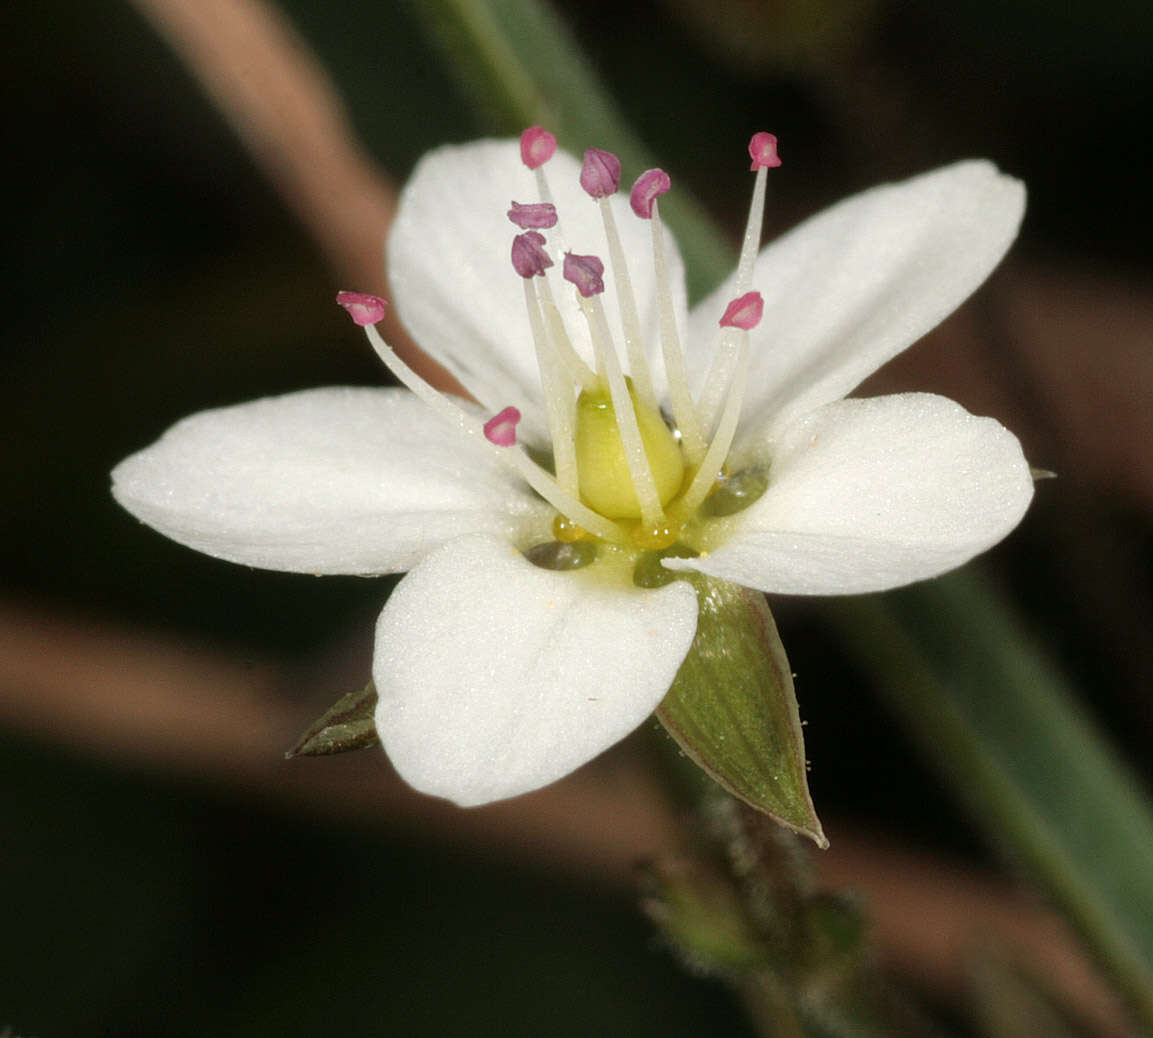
x=152 y=272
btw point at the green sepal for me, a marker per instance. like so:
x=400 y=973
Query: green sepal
x=733 y=710
x=344 y=726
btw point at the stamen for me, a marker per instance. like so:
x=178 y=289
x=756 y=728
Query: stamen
x=530 y=260
x=718 y=450
x=536 y=477
x=763 y=152
x=741 y=316
x=584 y=272
x=557 y=394
x=536 y=215
x=601 y=177
x=537 y=146
x=643 y=198
x=650 y=185
x=362 y=308
x=573 y=362
x=600 y=173
x=744 y=313
x=500 y=429
x=529 y=256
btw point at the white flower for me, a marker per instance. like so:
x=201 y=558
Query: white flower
x=497 y=675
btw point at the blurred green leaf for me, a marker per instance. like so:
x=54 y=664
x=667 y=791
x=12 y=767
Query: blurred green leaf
x=997 y=721
x=1011 y=1002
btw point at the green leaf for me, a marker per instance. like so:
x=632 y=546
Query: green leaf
x=733 y=710
x=999 y=724
x=1010 y=1001
x=344 y=726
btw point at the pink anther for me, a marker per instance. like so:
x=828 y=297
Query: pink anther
x=586 y=272
x=763 y=151
x=529 y=257
x=500 y=429
x=362 y=308
x=533 y=214
x=745 y=312
x=650 y=185
x=537 y=146
x=600 y=173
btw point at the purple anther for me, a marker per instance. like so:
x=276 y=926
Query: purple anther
x=501 y=428
x=586 y=272
x=601 y=173
x=362 y=308
x=533 y=214
x=745 y=312
x=650 y=185
x=763 y=151
x=537 y=146
x=529 y=257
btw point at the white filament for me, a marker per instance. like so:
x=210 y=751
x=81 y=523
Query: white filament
x=685 y=414
x=573 y=362
x=712 y=397
x=513 y=457
x=718 y=450
x=717 y=385
x=751 y=244
x=630 y=323
x=640 y=471
x=557 y=394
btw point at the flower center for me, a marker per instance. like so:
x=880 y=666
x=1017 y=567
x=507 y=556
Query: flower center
x=620 y=474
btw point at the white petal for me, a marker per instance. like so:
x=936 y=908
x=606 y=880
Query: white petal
x=496 y=677
x=872 y=494
x=452 y=277
x=337 y=480
x=857 y=284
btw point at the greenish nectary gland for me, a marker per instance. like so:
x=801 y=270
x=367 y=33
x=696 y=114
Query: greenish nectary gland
x=562 y=555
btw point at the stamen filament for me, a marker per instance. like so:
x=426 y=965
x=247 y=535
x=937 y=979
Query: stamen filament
x=558 y=238
x=752 y=242
x=712 y=398
x=718 y=450
x=630 y=323
x=514 y=457
x=572 y=361
x=687 y=419
x=640 y=472
x=557 y=394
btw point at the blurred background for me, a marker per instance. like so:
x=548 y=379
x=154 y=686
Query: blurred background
x=163 y=871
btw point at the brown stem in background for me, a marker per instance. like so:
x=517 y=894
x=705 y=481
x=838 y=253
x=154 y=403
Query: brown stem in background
x=287 y=114
x=145 y=703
